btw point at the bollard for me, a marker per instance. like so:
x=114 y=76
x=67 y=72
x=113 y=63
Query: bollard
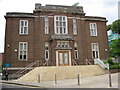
x=109 y=73
x=78 y=79
x=55 y=79
x=38 y=78
x=110 y=81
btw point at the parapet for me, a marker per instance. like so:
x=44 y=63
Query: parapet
x=59 y=8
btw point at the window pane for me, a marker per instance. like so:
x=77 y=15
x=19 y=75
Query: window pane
x=61 y=58
x=24 y=57
x=46 y=54
x=25 y=23
x=21 y=30
x=57 y=23
x=22 y=23
x=93 y=54
x=25 y=52
x=57 y=30
x=63 y=18
x=56 y=18
x=25 y=30
x=94 y=25
x=66 y=58
x=25 y=46
x=64 y=30
x=60 y=18
x=60 y=23
x=60 y=30
x=21 y=57
x=76 y=54
x=64 y=23
x=91 y=26
x=21 y=53
x=21 y=46
x=96 y=54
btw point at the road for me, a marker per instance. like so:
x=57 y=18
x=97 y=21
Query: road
x=6 y=85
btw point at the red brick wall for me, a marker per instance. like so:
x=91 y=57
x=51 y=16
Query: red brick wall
x=36 y=39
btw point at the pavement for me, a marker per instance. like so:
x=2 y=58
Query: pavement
x=101 y=81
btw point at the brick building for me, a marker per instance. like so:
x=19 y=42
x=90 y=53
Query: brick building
x=54 y=33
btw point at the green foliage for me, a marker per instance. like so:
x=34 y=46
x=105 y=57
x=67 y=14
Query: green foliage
x=109 y=27
x=115 y=27
x=115 y=66
x=115 y=48
x=109 y=60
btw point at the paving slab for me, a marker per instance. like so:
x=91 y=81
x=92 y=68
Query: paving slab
x=101 y=81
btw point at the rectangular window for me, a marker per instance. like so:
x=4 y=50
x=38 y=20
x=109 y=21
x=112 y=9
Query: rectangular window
x=46 y=25
x=74 y=26
x=23 y=50
x=23 y=27
x=63 y=44
x=76 y=50
x=46 y=51
x=95 y=50
x=60 y=24
x=93 y=29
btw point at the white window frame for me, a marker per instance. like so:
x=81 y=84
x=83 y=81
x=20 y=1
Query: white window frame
x=62 y=25
x=46 y=51
x=74 y=26
x=76 y=50
x=95 y=48
x=93 y=29
x=22 y=28
x=46 y=25
x=63 y=44
x=23 y=51
x=76 y=54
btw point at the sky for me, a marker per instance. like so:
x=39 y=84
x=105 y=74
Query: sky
x=103 y=8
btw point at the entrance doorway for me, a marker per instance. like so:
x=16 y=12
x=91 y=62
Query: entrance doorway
x=63 y=58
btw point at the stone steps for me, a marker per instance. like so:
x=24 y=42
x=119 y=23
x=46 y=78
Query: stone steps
x=62 y=72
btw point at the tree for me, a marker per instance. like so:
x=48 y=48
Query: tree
x=109 y=27
x=115 y=27
x=75 y=4
x=115 y=48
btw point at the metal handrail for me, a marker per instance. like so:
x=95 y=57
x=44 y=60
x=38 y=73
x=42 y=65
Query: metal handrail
x=46 y=63
x=100 y=62
x=87 y=61
x=74 y=62
x=28 y=66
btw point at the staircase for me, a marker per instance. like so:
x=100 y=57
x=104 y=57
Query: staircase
x=100 y=62
x=62 y=72
x=26 y=69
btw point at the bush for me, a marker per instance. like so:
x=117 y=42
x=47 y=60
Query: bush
x=114 y=66
x=109 y=60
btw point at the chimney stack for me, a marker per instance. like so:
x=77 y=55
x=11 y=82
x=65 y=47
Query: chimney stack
x=38 y=6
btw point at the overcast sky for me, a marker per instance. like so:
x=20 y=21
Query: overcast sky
x=103 y=8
